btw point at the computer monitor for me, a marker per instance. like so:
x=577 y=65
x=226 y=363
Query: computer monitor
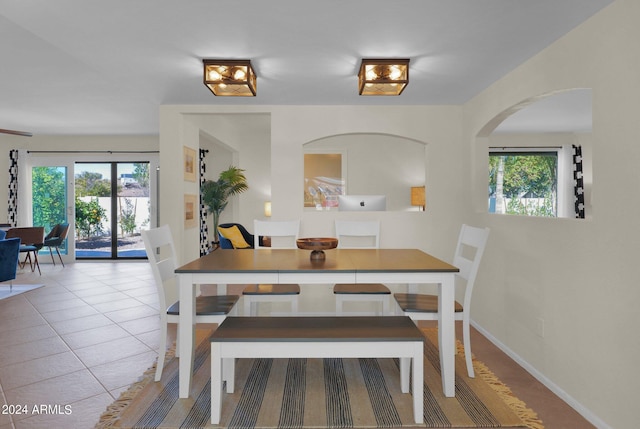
x=362 y=203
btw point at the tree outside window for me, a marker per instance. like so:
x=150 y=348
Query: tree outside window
x=524 y=183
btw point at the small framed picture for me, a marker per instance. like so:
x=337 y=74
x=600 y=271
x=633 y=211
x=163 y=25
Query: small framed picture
x=190 y=164
x=190 y=211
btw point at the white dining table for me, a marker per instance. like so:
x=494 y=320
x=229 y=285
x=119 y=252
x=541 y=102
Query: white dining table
x=286 y=266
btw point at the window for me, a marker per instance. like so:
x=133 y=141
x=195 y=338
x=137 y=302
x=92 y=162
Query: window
x=529 y=182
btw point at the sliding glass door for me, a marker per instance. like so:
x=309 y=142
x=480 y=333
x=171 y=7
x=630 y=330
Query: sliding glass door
x=112 y=207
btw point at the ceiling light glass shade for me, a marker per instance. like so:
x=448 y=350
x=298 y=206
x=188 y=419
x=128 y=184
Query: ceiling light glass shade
x=234 y=78
x=383 y=76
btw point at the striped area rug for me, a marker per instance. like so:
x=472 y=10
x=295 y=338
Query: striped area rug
x=319 y=393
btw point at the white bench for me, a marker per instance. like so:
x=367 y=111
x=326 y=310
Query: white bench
x=316 y=337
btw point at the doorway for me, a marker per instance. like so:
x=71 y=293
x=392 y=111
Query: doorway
x=112 y=206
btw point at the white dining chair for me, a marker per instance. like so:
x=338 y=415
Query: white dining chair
x=359 y=235
x=161 y=252
x=471 y=244
x=283 y=235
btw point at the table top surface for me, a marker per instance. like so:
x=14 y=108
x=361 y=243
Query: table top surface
x=312 y=329
x=297 y=260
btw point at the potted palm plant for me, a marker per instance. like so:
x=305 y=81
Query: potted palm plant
x=216 y=193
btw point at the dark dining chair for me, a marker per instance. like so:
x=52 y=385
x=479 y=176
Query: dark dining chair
x=31 y=241
x=9 y=253
x=55 y=238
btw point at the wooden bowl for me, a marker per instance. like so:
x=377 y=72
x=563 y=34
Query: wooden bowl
x=317 y=246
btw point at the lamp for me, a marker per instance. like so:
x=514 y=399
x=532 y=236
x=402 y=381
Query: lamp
x=418 y=197
x=234 y=78
x=267 y=208
x=383 y=76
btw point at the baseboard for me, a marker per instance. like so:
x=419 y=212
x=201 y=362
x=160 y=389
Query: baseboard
x=581 y=409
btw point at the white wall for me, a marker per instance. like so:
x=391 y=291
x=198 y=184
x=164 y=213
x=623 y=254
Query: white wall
x=281 y=175
x=576 y=276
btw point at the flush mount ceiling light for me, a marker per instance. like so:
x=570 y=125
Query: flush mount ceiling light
x=383 y=76
x=234 y=78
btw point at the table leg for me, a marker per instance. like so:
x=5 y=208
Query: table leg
x=186 y=332
x=405 y=370
x=446 y=334
x=216 y=383
x=229 y=373
x=418 y=383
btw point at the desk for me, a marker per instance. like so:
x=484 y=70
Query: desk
x=407 y=266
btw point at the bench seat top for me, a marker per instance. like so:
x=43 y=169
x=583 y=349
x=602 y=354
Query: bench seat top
x=312 y=329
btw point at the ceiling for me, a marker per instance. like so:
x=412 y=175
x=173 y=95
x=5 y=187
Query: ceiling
x=89 y=67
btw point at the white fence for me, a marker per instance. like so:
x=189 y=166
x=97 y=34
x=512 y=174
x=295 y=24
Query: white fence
x=142 y=213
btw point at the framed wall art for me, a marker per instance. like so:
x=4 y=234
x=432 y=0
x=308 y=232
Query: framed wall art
x=190 y=164
x=190 y=211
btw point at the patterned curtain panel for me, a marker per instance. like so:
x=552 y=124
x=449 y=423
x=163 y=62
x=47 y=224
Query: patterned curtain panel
x=578 y=182
x=12 y=216
x=204 y=228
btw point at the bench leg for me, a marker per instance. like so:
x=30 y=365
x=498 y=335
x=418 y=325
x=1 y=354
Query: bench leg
x=216 y=383
x=418 y=384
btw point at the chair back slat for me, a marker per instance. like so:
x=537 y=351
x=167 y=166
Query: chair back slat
x=469 y=250
x=358 y=234
x=285 y=232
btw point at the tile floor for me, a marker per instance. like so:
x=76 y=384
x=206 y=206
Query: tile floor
x=75 y=344
x=78 y=341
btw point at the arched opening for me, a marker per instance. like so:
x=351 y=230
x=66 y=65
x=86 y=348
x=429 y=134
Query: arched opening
x=539 y=156
x=363 y=164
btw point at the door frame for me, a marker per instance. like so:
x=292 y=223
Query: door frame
x=25 y=198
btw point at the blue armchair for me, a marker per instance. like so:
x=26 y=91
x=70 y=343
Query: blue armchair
x=226 y=243
x=9 y=253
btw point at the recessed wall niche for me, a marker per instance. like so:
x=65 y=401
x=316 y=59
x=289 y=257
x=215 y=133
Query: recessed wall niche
x=363 y=164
